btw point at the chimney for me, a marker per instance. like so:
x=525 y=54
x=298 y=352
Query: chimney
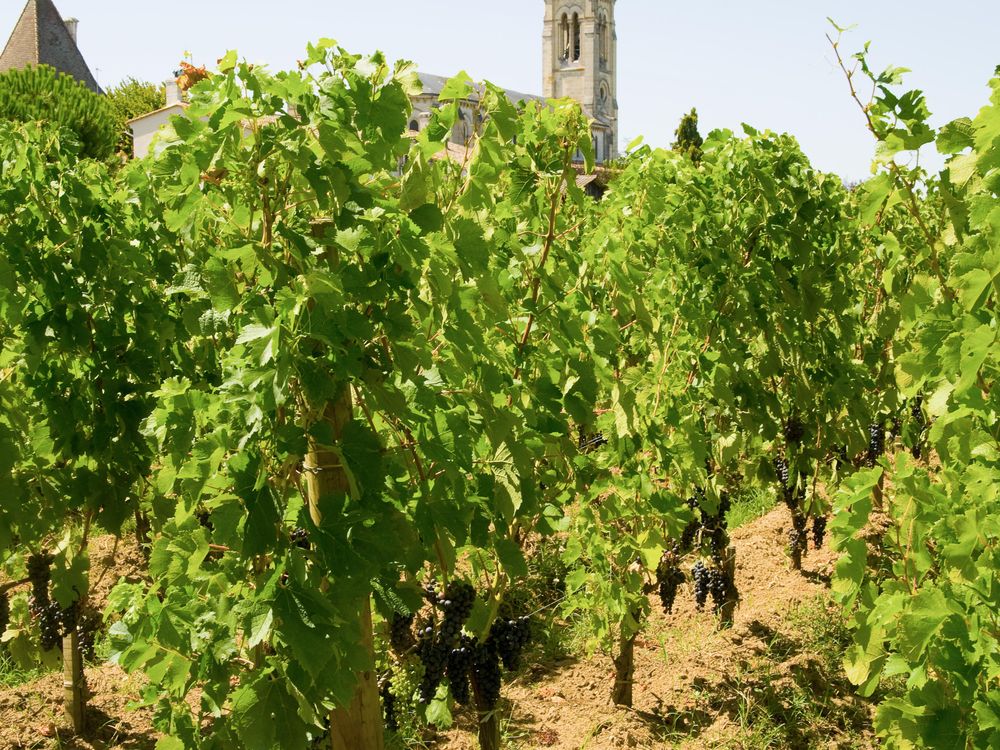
x=174 y=95
x=71 y=26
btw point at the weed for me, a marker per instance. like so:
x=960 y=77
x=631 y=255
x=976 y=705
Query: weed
x=13 y=675
x=750 y=506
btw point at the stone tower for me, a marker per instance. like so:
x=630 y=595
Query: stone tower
x=579 y=58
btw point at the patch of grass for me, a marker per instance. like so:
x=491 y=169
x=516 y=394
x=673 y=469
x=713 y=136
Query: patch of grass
x=749 y=507
x=796 y=695
x=13 y=675
x=823 y=629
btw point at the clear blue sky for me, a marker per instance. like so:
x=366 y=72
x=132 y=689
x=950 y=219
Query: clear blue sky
x=762 y=61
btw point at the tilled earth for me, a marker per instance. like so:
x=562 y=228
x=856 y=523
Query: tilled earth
x=695 y=686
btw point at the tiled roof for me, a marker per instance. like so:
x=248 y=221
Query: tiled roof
x=41 y=38
x=434 y=84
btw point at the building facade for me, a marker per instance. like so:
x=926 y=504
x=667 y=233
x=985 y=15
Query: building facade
x=579 y=62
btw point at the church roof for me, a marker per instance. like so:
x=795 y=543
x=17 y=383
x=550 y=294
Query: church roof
x=433 y=85
x=41 y=38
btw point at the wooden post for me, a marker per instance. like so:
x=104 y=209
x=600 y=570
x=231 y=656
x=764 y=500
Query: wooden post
x=359 y=725
x=75 y=698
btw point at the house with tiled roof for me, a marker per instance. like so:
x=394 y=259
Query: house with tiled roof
x=579 y=62
x=43 y=37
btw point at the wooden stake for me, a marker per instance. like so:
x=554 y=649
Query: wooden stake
x=75 y=698
x=359 y=725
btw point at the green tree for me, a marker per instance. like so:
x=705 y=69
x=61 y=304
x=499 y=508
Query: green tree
x=129 y=99
x=44 y=94
x=687 y=139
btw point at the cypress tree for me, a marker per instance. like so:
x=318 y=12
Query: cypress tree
x=687 y=139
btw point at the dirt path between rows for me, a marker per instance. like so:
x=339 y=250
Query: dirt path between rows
x=695 y=686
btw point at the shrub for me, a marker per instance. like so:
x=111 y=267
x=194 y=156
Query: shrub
x=44 y=94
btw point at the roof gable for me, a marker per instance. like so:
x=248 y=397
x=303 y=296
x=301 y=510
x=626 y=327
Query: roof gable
x=41 y=38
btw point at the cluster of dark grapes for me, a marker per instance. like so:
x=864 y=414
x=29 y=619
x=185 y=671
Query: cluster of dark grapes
x=457 y=605
x=798 y=537
x=300 y=538
x=55 y=622
x=719 y=586
x=716 y=528
x=482 y=662
x=487 y=677
x=712 y=526
x=700 y=578
x=691 y=530
x=401 y=632
x=781 y=469
x=712 y=581
x=447 y=652
x=461 y=662
x=86 y=622
x=389 y=706
x=434 y=647
x=669 y=577
x=708 y=580
x=876 y=443
x=479 y=664
x=46 y=612
x=509 y=637
x=88 y=625
x=794 y=431
x=819 y=531
x=920 y=423
x=433 y=653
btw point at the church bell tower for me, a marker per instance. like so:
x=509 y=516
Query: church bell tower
x=580 y=51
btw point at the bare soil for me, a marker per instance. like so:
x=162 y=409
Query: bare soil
x=695 y=686
x=700 y=687
x=31 y=715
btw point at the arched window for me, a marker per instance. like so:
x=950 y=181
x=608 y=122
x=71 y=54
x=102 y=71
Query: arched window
x=577 y=41
x=414 y=126
x=565 y=38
